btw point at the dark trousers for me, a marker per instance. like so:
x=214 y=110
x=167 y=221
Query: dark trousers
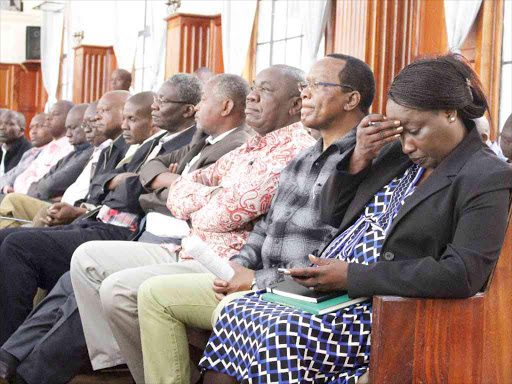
x=50 y=344
x=38 y=257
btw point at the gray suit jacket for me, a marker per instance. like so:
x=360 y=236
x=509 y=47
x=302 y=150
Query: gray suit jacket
x=156 y=201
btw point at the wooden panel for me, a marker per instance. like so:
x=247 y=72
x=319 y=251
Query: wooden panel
x=92 y=72
x=193 y=41
x=22 y=90
x=446 y=341
x=350 y=36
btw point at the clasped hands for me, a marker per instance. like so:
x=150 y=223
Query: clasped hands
x=61 y=213
x=325 y=275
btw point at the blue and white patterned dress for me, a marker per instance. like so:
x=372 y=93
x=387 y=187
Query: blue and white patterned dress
x=262 y=342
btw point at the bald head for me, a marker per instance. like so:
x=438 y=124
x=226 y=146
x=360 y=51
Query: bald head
x=483 y=128
x=506 y=138
x=109 y=113
x=121 y=80
x=74 y=129
x=56 y=119
x=39 y=131
x=137 y=123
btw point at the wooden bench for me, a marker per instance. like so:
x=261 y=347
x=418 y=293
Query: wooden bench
x=446 y=341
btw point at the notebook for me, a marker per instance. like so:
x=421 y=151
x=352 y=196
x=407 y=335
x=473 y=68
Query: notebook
x=290 y=288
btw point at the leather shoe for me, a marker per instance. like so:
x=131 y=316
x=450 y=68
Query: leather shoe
x=8 y=365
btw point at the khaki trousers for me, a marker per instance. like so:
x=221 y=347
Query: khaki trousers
x=106 y=276
x=19 y=206
x=167 y=305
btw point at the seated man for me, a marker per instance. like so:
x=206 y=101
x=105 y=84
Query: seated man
x=121 y=80
x=42 y=255
x=12 y=139
x=53 y=152
x=292 y=228
x=54 y=328
x=483 y=127
x=40 y=137
x=59 y=177
x=222 y=202
x=506 y=138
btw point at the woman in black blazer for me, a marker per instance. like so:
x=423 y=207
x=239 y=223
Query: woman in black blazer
x=423 y=217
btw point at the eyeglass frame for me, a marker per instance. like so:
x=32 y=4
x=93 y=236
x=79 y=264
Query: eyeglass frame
x=307 y=84
x=160 y=101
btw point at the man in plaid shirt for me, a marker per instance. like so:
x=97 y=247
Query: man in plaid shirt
x=336 y=96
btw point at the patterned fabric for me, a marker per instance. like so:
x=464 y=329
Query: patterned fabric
x=50 y=155
x=27 y=158
x=262 y=342
x=293 y=225
x=247 y=179
x=115 y=217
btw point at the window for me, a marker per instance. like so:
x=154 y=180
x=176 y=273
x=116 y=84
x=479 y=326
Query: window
x=506 y=67
x=280 y=35
x=143 y=60
x=67 y=58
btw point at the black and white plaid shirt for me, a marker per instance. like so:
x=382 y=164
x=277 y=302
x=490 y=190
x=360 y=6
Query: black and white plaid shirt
x=293 y=228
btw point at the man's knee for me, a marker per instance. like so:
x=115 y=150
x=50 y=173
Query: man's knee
x=117 y=295
x=81 y=259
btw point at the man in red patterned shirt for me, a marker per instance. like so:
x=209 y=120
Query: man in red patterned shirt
x=222 y=202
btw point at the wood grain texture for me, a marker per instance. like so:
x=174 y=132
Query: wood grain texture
x=193 y=41
x=22 y=90
x=427 y=341
x=93 y=69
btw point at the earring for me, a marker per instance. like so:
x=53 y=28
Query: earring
x=452 y=119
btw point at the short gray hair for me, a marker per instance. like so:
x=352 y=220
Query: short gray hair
x=21 y=121
x=232 y=87
x=293 y=76
x=188 y=87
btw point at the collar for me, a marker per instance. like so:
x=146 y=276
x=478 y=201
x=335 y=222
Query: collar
x=152 y=137
x=82 y=146
x=285 y=133
x=103 y=145
x=212 y=141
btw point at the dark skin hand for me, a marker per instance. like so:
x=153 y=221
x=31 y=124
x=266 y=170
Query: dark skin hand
x=373 y=132
x=241 y=281
x=61 y=213
x=164 y=180
x=112 y=184
x=326 y=276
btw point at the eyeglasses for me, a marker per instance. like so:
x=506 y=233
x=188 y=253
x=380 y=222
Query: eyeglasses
x=312 y=85
x=161 y=101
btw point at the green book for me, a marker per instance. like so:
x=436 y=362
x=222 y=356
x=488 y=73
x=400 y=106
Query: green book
x=322 y=308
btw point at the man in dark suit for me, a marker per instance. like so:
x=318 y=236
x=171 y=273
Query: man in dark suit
x=43 y=254
x=12 y=140
x=53 y=330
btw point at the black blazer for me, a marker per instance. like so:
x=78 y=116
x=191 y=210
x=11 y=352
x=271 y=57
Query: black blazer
x=448 y=234
x=13 y=156
x=125 y=197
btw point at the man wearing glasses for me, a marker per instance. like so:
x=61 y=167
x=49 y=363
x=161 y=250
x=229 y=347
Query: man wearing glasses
x=37 y=257
x=336 y=96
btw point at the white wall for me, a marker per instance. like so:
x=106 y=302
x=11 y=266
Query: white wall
x=13 y=31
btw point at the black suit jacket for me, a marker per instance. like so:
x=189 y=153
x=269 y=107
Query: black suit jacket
x=13 y=156
x=448 y=234
x=125 y=197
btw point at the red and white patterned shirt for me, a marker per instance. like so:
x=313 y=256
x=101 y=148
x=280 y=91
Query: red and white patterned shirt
x=49 y=156
x=247 y=178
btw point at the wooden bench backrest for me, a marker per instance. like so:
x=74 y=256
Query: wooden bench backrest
x=447 y=341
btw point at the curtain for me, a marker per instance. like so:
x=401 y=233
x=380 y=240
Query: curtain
x=128 y=21
x=158 y=30
x=52 y=25
x=460 y=16
x=314 y=16
x=237 y=22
